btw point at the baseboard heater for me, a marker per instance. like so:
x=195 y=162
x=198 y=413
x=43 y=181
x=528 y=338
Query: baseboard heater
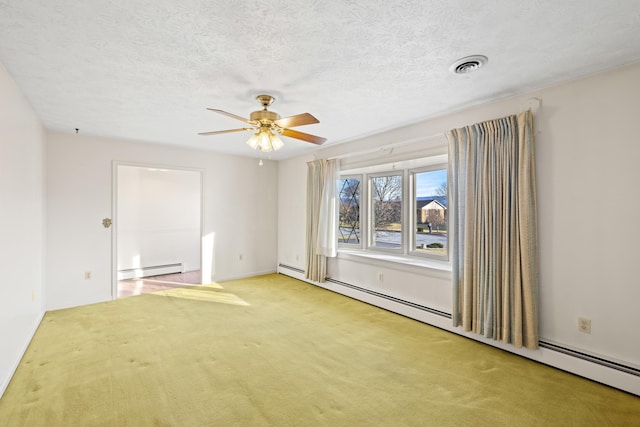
x=153 y=270
x=390 y=298
x=544 y=344
x=288 y=267
x=377 y=294
x=589 y=358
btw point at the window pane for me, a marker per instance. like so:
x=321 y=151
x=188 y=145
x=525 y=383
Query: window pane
x=431 y=212
x=386 y=197
x=349 y=224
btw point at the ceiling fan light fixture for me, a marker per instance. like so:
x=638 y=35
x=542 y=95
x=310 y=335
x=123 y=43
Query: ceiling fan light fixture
x=265 y=141
x=276 y=142
x=253 y=141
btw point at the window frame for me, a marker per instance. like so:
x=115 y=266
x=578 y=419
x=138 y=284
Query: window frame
x=413 y=220
x=370 y=227
x=405 y=164
x=362 y=201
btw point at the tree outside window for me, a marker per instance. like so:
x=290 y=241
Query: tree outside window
x=349 y=213
x=386 y=195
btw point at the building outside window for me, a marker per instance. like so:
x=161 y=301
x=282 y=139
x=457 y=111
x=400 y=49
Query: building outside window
x=429 y=196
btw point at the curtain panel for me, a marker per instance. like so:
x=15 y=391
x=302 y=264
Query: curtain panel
x=321 y=239
x=492 y=191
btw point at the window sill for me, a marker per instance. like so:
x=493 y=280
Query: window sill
x=402 y=262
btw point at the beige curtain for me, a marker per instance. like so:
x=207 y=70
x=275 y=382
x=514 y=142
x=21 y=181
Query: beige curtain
x=322 y=215
x=492 y=193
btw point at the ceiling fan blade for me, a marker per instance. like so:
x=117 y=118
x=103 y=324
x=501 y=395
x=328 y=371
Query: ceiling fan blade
x=297 y=120
x=216 y=132
x=303 y=136
x=233 y=116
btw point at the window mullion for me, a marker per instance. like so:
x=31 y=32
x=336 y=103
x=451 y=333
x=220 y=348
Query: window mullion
x=407 y=205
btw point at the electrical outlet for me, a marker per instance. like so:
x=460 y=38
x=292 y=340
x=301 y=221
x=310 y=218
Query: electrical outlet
x=584 y=325
x=380 y=277
x=87 y=275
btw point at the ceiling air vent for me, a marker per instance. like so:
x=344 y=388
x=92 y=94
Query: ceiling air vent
x=468 y=64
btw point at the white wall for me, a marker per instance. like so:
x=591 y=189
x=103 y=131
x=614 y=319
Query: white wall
x=587 y=150
x=292 y=190
x=21 y=225
x=239 y=213
x=158 y=217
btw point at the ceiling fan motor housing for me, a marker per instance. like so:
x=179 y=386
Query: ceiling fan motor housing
x=264 y=116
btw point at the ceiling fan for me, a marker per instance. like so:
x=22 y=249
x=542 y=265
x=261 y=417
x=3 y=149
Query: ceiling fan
x=268 y=125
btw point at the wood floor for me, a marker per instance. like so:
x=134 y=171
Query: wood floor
x=157 y=283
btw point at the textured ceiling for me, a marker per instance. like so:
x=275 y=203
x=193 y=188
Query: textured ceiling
x=147 y=69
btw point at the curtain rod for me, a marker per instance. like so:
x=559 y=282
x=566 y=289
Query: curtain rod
x=534 y=104
x=388 y=146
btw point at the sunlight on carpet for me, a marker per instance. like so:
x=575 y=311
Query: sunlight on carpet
x=203 y=293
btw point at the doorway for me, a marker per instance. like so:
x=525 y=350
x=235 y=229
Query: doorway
x=158 y=223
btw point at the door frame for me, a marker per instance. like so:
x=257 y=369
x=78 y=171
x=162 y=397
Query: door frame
x=114 y=211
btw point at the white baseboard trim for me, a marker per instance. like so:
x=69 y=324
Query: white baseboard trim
x=25 y=345
x=244 y=276
x=551 y=354
x=154 y=270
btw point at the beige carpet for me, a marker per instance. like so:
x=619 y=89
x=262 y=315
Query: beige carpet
x=272 y=350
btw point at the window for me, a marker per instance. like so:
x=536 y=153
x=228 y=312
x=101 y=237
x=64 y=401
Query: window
x=402 y=208
x=386 y=211
x=429 y=196
x=349 y=212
